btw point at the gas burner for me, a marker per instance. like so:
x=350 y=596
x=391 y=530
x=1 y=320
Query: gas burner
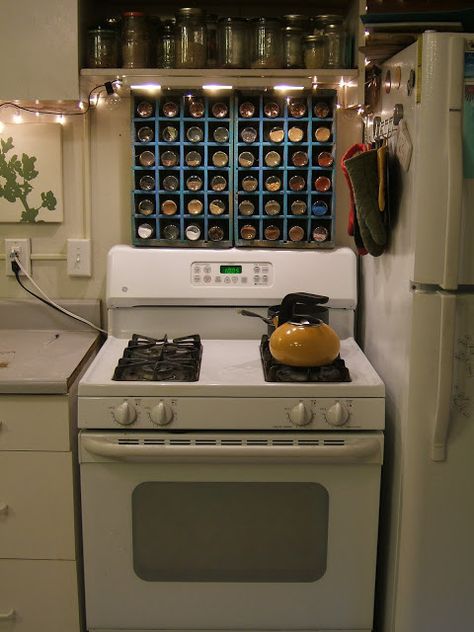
x=160 y=359
x=276 y=372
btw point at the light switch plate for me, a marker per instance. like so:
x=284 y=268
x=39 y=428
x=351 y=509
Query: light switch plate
x=79 y=257
x=23 y=248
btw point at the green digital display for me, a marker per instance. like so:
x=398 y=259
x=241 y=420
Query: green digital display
x=231 y=269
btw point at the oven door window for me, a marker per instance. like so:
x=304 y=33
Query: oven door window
x=230 y=532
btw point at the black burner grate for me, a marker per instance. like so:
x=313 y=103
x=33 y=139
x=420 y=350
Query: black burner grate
x=160 y=360
x=276 y=372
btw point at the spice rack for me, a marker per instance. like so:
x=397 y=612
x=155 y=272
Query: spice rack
x=292 y=205
x=250 y=169
x=181 y=191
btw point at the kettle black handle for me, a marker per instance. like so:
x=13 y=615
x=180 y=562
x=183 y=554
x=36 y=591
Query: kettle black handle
x=298 y=298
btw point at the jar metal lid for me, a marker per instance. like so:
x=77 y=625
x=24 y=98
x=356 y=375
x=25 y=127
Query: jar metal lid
x=169 y=158
x=298 y=207
x=145 y=134
x=195 y=134
x=272 y=232
x=146 y=158
x=248 y=231
x=297 y=183
x=320 y=233
x=246 y=159
x=170 y=183
x=171 y=231
x=147 y=183
x=216 y=233
x=296 y=233
x=313 y=38
x=276 y=134
x=146 y=206
x=185 y=11
x=249 y=183
x=248 y=135
x=322 y=183
x=295 y=134
x=221 y=134
x=247 y=109
x=193 y=158
x=194 y=183
x=272 y=159
x=272 y=207
x=220 y=159
x=218 y=183
x=273 y=183
x=293 y=29
x=133 y=14
x=220 y=110
x=246 y=207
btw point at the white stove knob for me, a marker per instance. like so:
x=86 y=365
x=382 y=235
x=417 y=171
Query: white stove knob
x=337 y=414
x=124 y=414
x=300 y=415
x=161 y=414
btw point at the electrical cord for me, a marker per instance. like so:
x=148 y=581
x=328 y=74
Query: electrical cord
x=17 y=267
x=107 y=86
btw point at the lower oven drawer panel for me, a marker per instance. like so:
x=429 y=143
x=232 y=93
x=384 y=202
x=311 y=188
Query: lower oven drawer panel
x=39 y=596
x=339 y=598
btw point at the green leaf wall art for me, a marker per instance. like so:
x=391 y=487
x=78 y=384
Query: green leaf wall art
x=31 y=181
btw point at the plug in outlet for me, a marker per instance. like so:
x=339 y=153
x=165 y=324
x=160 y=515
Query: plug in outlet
x=23 y=248
x=79 y=257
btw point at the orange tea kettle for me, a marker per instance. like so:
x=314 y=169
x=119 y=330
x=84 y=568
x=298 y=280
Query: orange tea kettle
x=302 y=340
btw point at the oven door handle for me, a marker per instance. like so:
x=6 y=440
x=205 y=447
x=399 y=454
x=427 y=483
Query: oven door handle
x=366 y=450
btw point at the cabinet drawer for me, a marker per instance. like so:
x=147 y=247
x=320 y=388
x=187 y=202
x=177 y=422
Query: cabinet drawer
x=36 y=505
x=39 y=596
x=34 y=422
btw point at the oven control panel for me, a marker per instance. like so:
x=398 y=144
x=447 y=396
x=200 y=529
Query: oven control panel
x=230 y=274
x=229 y=413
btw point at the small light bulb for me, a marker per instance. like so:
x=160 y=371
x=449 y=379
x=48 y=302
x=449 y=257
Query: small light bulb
x=17 y=118
x=81 y=105
x=60 y=119
x=366 y=33
x=37 y=114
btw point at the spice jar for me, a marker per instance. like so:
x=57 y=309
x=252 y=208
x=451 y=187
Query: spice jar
x=190 y=39
x=319 y=207
x=169 y=207
x=220 y=110
x=297 y=108
x=194 y=183
x=215 y=233
x=271 y=109
x=170 y=109
x=135 y=40
x=276 y=135
x=314 y=50
x=295 y=134
x=220 y=159
x=193 y=159
x=147 y=183
x=211 y=28
x=246 y=159
x=248 y=232
x=170 y=183
x=247 y=109
x=144 y=109
x=292 y=47
x=196 y=108
x=272 y=159
x=272 y=207
x=271 y=232
x=322 y=184
x=296 y=233
x=335 y=36
x=195 y=207
x=320 y=233
x=102 y=48
x=169 y=159
x=232 y=43
x=299 y=159
x=169 y=134
x=296 y=183
x=325 y=159
x=246 y=207
x=322 y=134
x=146 y=158
x=171 y=232
x=249 y=183
x=272 y=183
x=145 y=231
x=145 y=134
x=267 y=43
x=146 y=206
x=321 y=109
x=221 y=135
x=216 y=207
x=218 y=183
x=192 y=232
x=298 y=207
x=165 y=49
x=195 y=134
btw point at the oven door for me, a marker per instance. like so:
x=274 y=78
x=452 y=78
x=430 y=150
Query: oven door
x=234 y=531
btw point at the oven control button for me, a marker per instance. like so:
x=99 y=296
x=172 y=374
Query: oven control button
x=161 y=414
x=124 y=414
x=300 y=415
x=337 y=414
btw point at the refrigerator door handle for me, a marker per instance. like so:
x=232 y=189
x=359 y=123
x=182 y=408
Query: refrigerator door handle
x=445 y=377
x=455 y=84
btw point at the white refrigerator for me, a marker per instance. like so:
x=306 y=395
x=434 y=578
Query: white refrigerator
x=417 y=328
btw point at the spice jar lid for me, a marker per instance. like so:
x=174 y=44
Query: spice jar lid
x=195 y=207
x=145 y=231
x=169 y=207
x=187 y=11
x=216 y=207
x=246 y=207
x=133 y=14
x=292 y=29
x=192 y=232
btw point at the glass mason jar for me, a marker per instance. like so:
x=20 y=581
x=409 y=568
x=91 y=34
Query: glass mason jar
x=165 y=49
x=314 y=50
x=293 y=47
x=135 y=40
x=267 y=43
x=190 y=39
x=211 y=26
x=102 y=48
x=232 y=43
x=335 y=36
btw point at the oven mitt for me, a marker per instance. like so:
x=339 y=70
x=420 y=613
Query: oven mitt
x=362 y=170
x=353 y=225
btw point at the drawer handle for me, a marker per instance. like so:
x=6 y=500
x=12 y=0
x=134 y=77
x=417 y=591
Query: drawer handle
x=5 y=616
x=3 y=509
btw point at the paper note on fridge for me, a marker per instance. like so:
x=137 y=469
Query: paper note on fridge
x=404 y=145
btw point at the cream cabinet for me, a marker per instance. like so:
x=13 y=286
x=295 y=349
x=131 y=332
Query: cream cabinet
x=40 y=574
x=39 y=44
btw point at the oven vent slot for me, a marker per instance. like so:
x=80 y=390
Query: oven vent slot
x=282 y=442
x=334 y=442
x=180 y=442
x=128 y=441
x=205 y=442
x=231 y=442
x=257 y=442
x=308 y=442
x=154 y=441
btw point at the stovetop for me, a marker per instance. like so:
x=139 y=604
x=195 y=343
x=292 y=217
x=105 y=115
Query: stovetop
x=229 y=368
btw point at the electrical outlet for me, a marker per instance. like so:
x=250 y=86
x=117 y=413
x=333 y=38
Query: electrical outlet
x=79 y=257
x=23 y=248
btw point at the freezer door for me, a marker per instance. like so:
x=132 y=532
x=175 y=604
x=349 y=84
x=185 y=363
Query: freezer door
x=443 y=197
x=435 y=582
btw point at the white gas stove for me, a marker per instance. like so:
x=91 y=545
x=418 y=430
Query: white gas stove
x=193 y=491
